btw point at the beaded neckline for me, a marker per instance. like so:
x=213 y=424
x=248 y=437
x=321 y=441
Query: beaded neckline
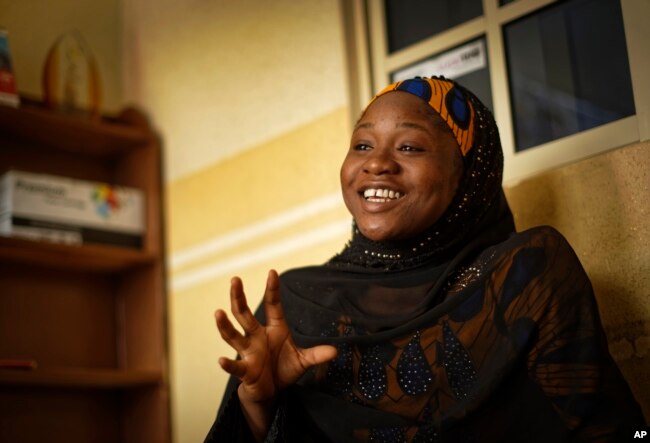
x=361 y=251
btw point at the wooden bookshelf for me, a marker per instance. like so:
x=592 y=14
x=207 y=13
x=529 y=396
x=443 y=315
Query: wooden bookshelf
x=92 y=317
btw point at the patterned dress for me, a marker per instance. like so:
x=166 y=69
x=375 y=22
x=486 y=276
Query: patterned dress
x=514 y=351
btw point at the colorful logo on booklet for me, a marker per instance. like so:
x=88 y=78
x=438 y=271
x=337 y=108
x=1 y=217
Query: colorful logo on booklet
x=106 y=200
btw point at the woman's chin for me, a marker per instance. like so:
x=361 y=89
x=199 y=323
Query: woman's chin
x=379 y=233
x=371 y=233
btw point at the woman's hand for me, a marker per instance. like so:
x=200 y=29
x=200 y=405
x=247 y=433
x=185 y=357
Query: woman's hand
x=270 y=360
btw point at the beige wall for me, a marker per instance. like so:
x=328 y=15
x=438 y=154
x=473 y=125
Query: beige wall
x=275 y=205
x=222 y=76
x=250 y=98
x=601 y=205
x=35 y=25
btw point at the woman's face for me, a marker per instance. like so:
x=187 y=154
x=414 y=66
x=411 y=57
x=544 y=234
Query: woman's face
x=402 y=169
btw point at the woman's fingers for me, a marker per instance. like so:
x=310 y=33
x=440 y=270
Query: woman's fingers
x=239 y=307
x=228 y=332
x=235 y=368
x=316 y=355
x=272 y=304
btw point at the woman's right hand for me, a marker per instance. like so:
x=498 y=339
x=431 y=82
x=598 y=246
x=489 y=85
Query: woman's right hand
x=269 y=359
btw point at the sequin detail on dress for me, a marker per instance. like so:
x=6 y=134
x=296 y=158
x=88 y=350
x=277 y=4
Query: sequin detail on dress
x=339 y=371
x=426 y=431
x=458 y=364
x=413 y=371
x=387 y=435
x=372 y=374
x=426 y=434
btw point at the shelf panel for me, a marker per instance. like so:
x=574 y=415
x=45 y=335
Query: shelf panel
x=79 y=134
x=101 y=258
x=80 y=378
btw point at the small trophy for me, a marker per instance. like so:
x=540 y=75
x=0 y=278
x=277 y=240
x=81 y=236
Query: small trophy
x=71 y=77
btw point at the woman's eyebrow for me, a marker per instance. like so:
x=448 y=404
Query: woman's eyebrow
x=411 y=125
x=366 y=125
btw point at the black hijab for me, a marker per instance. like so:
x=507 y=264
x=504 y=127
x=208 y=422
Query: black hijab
x=362 y=283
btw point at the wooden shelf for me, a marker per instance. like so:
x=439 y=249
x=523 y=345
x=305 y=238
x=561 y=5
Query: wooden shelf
x=80 y=378
x=72 y=133
x=100 y=258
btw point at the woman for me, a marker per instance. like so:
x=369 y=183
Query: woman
x=437 y=322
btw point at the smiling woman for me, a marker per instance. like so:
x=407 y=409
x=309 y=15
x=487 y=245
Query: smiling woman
x=437 y=321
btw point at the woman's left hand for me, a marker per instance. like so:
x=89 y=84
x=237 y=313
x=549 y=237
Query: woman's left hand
x=270 y=360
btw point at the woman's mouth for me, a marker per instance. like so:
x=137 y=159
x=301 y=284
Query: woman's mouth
x=379 y=195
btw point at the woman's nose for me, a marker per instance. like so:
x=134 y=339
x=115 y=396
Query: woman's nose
x=381 y=162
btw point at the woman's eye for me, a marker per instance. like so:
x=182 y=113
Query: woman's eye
x=409 y=148
x=362 y=147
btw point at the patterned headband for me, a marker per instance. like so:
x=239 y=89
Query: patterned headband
x=447 y=100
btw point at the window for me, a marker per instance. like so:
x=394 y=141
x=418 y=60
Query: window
x=568 y=70
x=565 y=79
x=409 y=21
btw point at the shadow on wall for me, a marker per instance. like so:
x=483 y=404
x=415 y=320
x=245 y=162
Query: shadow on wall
x=600 y=205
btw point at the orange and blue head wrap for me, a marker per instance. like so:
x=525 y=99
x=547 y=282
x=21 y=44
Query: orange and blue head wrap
x=449 y=102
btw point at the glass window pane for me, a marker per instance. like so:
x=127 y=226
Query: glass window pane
x=466 y=63
x=409 y=21
x=568 y=70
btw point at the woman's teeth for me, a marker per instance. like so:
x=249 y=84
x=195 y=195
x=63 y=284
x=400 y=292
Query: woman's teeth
x=380 y=195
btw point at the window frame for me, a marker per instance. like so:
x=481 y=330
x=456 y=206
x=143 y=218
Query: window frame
x=370 y=66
